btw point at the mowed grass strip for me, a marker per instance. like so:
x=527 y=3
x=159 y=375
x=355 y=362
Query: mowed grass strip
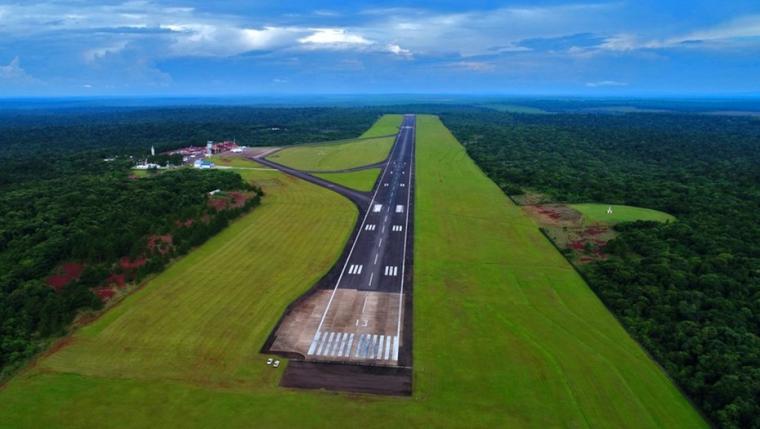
x=506 y=334
x=386 y=125
x=620 y=213
x=362 y=180
x=344 y=154
x=500 y=314
x=206 y=316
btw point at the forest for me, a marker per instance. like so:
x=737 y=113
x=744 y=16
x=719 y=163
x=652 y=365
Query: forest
x=75 y=227
x=688 y=291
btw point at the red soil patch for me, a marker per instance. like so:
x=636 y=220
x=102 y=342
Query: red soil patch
x=218 y=203
x=57 y=282
x=66 y=274
x=129 y=265
x=116 y=279
x=229 y=200
x=104 y=293
x=73 y=270
x=595 y=230
x=185 y=223
x=161 y=243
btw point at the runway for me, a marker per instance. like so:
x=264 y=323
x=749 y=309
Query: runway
x=358 y=313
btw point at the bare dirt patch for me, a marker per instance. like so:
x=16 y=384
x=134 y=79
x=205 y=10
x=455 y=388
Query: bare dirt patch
x=566 y=228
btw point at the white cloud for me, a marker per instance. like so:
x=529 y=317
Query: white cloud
x=14 y=73
x=398 y=50
x=605 y=83
x=336 y=37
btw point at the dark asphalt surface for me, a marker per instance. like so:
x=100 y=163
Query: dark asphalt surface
x=377 y=259
x=361 y=199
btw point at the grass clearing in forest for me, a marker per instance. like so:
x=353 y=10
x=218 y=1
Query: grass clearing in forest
x=598 y=213
x=506 y=334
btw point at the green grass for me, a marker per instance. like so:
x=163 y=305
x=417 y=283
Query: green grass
x=362 y=180
x=205 y=317
x=598 y=213
x=344 y=154
x=386 y=125
x=506 y=333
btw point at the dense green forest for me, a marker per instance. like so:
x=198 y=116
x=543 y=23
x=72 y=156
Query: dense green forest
x=72 y=225
x=50 y=143
x=689 y=291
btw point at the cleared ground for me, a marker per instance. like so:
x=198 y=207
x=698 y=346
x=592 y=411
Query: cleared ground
x=362 y=180
x=598 y=213
x=506 y=334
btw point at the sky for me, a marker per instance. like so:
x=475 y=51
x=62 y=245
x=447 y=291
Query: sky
x=197 y=48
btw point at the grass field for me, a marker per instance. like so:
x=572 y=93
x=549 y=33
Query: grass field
x=384 y=126
x=506 y=333
x=368 y=149
x=598 y=213
x=361 y=180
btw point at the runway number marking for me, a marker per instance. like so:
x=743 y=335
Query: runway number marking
x=377 y=208
x=399 y=208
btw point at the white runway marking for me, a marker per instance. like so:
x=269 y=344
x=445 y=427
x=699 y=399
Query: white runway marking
x=371 y=276
x=380 y=243
x=398 y=228
x=313 y=346
x=395 y=348
x=373 y=347
x=377 y=208
x=334 y=350
x=399 y=209
x=387 y=347
x=355 y=269
x=370 y=227
x=402 y=185
x=343 y=345
x=376 y=255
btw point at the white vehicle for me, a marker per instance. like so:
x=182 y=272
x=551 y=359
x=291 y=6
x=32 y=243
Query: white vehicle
x=276 y=364
x=269 y=361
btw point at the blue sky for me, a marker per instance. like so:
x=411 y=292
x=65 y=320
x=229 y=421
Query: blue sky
x=186 y=47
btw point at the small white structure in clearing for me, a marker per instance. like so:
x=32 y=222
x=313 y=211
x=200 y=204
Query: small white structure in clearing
x=203 y=163
x=237 y=150
x=215 y=191
x=146 y=166
x=609 y=210
x=152 y=151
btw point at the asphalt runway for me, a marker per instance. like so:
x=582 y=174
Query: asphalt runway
x=360 y=312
